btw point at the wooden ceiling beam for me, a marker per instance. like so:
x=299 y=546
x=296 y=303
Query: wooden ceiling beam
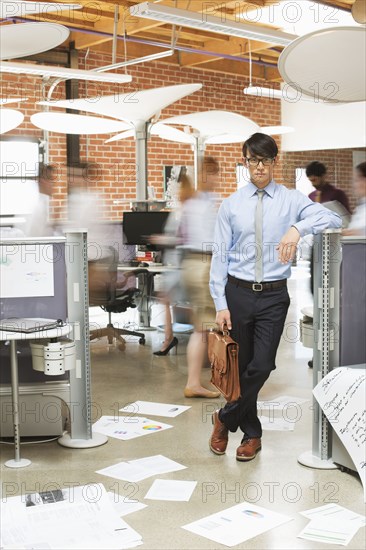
x=235 y=46
x=237 y=68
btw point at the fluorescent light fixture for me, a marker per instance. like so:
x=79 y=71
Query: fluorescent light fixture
x=135 y=61
x=300 y=17
x=61 y=72
x=260 y=91
x=287 y=93
x=206 y=22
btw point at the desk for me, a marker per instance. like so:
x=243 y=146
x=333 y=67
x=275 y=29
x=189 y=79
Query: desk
x=146 y=283
x=13 y=337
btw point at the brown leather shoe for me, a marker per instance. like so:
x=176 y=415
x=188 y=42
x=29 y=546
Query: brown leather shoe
x=219 y=437
x=248 y=449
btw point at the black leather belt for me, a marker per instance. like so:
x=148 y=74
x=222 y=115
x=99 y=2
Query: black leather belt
x=257 y=287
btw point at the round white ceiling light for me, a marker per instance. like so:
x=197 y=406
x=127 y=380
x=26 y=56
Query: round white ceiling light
x=24 y=39
x=327 y=65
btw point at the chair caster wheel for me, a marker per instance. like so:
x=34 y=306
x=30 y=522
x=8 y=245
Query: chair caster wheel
x=142 y=341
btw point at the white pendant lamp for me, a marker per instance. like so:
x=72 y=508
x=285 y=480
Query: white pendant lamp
x=123 y=135
x=171 y=134
x=328 y=65
x=7 y=100
x=10 y=119
x=140 y=105
x=136 y=108
x=25 y=39
x=68 y=123
x=209 y=123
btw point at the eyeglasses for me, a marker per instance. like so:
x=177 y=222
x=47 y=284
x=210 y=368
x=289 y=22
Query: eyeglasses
x=254 y=161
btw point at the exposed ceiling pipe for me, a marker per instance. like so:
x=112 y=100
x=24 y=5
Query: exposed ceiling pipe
x=155 y=43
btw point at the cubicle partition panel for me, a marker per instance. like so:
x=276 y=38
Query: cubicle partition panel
x=339 y=327
x=32 y=284
x=353 y=300
x=48 y=278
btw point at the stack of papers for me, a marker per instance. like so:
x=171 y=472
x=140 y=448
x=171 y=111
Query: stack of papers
x=142 y=468
x=128 y=427
x=331 y=524
x=124 y=505
x=79 y=518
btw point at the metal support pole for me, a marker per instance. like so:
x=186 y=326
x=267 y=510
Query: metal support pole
x=327 y=261
x=141 y=160
x=17 y=462
x=78 y=314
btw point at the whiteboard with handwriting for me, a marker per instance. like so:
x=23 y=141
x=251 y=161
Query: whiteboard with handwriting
x=342 y=396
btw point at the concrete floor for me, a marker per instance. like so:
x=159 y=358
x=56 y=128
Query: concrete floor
x=274 y=480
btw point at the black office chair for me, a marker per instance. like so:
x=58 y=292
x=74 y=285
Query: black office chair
x=113 y=297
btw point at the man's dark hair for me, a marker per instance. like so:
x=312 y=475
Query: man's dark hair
x=260 y=145
x=316 y=168
x=362 y=169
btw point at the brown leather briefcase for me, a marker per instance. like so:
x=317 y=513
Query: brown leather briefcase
x=223 y=355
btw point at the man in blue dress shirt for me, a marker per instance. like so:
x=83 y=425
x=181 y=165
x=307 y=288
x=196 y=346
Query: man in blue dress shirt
x=257 y=232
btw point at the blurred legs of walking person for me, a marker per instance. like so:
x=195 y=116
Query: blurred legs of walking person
x=196 y=271
x=170 y=341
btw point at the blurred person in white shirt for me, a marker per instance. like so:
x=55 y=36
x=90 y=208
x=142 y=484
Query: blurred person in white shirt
x=197 y=227
x=38 y=223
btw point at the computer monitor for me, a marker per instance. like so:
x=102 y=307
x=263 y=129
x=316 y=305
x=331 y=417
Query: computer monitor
x=138 y=226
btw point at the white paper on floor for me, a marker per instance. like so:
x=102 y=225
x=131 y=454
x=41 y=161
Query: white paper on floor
x=281 y=402
x=142 y=468
x=276 y=424
x=342 y=397
x=124 y=505
x=126 y=427
x=329 y=531
x=155 y=409
x=237 y=524
x=168 y=489
x=334 y=511
x=79 y=518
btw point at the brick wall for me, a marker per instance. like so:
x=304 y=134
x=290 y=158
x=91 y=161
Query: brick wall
x=114 y=175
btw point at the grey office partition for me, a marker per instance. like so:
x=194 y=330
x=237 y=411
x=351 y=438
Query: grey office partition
x=339 y=325
x=353 y=300
x=26 y=264
x=48 y=277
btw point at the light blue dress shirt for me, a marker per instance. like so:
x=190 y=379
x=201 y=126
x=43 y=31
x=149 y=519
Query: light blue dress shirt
x=234 y=250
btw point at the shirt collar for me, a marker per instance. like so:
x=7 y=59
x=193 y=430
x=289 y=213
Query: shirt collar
x=270 y=189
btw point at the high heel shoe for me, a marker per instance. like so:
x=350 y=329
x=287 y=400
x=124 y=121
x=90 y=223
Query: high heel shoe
x=172 y=344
